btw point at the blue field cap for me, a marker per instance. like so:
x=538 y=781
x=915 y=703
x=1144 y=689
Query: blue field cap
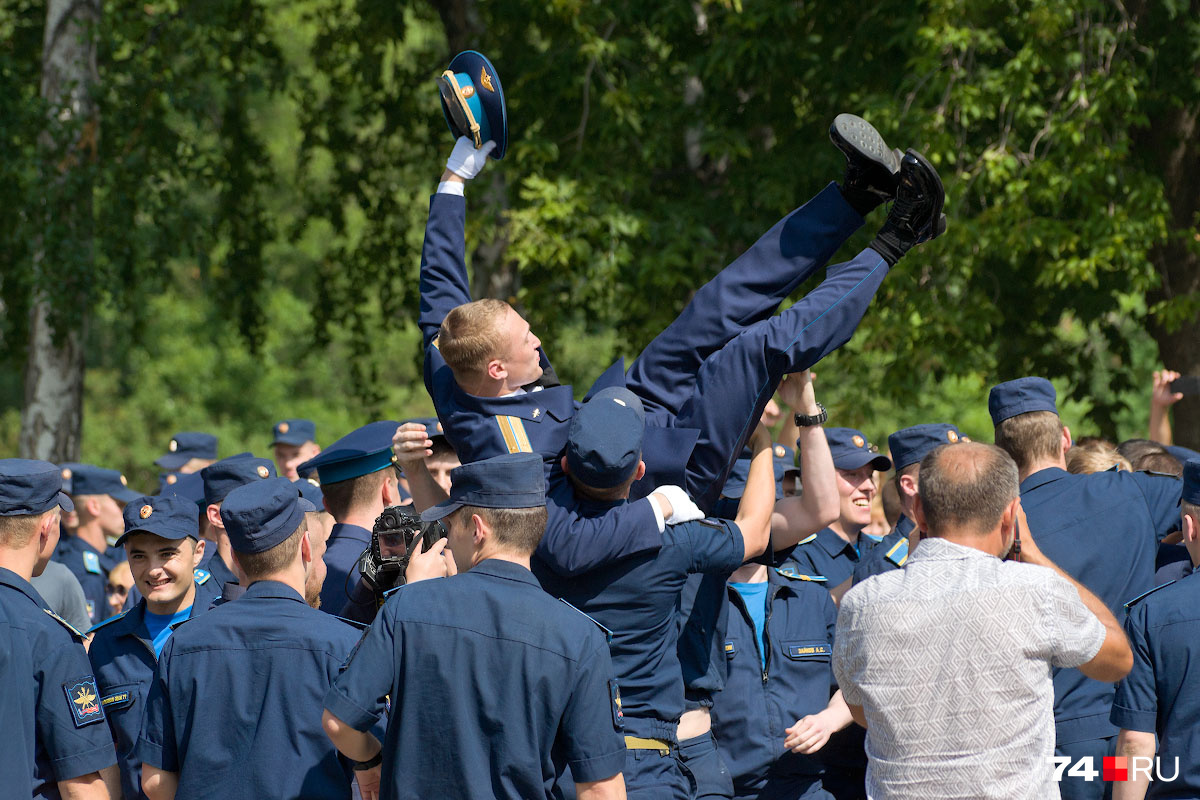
x=168 y=516
x=513 y=480
x=310 y=490
x=910 y=445
x=471 y=84
x=89 y=479
x=68 y=472
x=1191 y=481
x=227 y=474
x=604 y=443
x=360 y=452
x=851 y=450
x=30 y=487
x=189 y=486
x=294 y=431
x=1011 y=398
x=260 y=515
x=185 y=446
x=782 y=458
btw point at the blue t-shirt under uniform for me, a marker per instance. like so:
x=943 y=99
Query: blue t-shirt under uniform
x=754 y=595
x=159 y=626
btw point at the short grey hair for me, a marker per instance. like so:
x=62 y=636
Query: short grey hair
x=967 y=486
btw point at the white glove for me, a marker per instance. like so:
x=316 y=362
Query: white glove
x=682 y=507
x=466 y=162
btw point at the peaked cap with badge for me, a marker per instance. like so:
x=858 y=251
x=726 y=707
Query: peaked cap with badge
x=473 y=101
x=362 y=451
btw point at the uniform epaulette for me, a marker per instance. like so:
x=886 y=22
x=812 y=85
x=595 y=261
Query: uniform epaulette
x=806 y=540
x=898 y=553
x=607 y=633
x=1144 y=595
x=104 y=622
x=64 y=623
x=201 y=576
x=788 y=572
x=362 y=626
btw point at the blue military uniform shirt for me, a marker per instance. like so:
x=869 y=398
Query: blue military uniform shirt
x=829 y=555
x=1103 y=530
x=60 y=691
x=345 y=545
x=123 y=661
x=16 y=708
x=636 y=599
x=493 y=684
x=758 y=703
x=889 y=554
x=1161 y=694
x=235 y=704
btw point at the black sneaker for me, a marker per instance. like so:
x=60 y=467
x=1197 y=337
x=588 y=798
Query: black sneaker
x=871 y=166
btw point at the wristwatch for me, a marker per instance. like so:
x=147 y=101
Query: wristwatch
x=359 y=766
x=804 y=421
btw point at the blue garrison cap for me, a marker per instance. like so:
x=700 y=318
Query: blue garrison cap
x=88 y=479
x=295 y=431
x=169 y=516
x=909 y=445
x=604 y=444
x=185 y=446
x=1191 y=481
x=30 y=487
x=512 y=480
x=1011 y=398
x=735 y=484
x=851 y=450
x=260 y=515
x=470 y=90
x=310 y=491
x=227 y=474
x=360 y=452
x=189 y=486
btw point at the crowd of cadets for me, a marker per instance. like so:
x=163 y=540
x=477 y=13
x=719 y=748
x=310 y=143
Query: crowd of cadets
x=699 y=563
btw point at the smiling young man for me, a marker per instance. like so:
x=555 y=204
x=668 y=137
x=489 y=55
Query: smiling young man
x=163 y=545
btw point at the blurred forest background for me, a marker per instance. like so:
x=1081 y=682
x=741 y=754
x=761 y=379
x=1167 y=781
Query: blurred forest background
x=212 y=212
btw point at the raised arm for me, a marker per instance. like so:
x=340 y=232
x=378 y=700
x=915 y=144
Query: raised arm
x=758 y=498
x=818 y=505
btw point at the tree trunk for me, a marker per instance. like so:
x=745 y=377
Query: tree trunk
x=52 y=415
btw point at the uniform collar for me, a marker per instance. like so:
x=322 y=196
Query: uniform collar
x=937 y=549
x=272 y=589
x=10 y=578
x=350 y=531
x=832 y=543
x=499 y=568
x=1042 y=477
x=904 y=526
x=557 y=401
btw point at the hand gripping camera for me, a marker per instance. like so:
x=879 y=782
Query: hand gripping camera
x=393 y=539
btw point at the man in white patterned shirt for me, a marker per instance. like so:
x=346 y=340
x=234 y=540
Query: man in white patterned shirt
x=947 y=661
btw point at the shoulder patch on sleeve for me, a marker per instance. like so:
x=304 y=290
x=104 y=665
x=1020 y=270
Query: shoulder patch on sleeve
x=104 y=622
x=64 y=623
x=83 y=700
x=1144 y=595
x=807 y=539
x=788 y=572
x=608 y=635
x=91 y=562
x=201 y=576
x=614 y=692
x=898 y=553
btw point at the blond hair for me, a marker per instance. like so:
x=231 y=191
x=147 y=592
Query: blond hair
x=1083 y=459
x=472 y=335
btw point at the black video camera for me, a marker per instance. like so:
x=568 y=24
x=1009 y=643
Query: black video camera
x=393 y=539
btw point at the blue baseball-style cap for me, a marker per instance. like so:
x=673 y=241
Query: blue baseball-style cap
x=227 y=474
x=310 y=490
x=1022 y=396
x=1191 y=481
x=604 y=443
x=782 y=458
x=186 y=445
x=294 y=431
x=851 y=450
x=168 y=516
x=260 y=515
x=512 y=480
x=360 y=452
x=88 y=479
x=30 y=487
x=471 y=93
x=910 y=445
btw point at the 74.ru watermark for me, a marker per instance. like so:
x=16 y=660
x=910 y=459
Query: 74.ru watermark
x=1115 y=768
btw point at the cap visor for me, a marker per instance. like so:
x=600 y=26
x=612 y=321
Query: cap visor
x=161 y=533
x=856 y=460
x=440 y=511
x=65 y=502
x=289 y=438
x=172 y=461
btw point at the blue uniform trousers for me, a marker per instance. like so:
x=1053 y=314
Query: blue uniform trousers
x=703 y=760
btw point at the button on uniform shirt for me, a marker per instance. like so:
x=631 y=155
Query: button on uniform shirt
x=235 y=704
x=487 y=676
x=1161 y=695
x=950 y=659
x=58 y=694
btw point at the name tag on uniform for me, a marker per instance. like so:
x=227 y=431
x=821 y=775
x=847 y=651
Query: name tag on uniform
x=805 y=650
x=117 y=700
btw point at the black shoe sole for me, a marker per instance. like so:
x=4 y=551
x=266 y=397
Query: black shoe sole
x=859 y=140
x=932 y=183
